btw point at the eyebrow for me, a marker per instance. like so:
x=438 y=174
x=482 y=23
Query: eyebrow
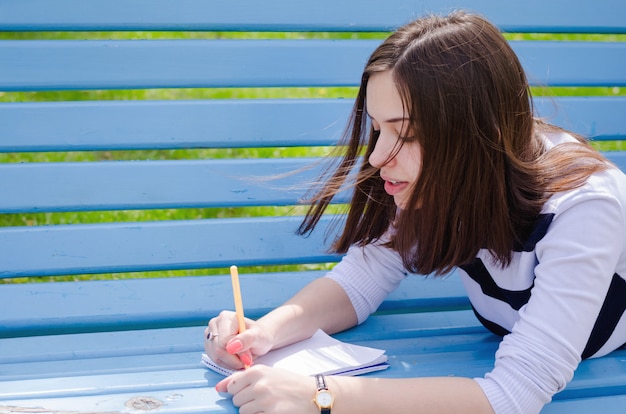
x=392 y=120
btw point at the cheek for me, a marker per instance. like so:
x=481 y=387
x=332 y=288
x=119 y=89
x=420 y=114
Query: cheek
x=414 y=161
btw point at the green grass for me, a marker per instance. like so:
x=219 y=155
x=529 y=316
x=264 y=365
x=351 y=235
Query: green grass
x=207 y=93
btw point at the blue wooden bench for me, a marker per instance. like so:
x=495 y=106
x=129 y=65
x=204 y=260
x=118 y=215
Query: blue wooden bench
x=128 y=344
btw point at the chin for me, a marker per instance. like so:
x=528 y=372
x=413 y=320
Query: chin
x=400 y=203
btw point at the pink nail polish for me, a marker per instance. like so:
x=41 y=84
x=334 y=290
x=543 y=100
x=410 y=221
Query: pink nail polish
x=246 y=359
x=234 y=347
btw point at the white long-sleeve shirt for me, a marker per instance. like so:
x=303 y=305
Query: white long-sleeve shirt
x=562 y=298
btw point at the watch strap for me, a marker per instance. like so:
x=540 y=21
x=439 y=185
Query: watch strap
x=321 y=385
x=321 y=382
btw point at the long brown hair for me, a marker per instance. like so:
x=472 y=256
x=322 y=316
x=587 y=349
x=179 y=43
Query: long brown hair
x=485 y=173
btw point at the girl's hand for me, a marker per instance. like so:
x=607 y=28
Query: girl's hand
x=271 y=391
x=230 y=349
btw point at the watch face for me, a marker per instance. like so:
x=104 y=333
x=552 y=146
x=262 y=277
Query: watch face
x=324 y=399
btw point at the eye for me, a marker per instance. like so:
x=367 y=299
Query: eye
x=407 y=136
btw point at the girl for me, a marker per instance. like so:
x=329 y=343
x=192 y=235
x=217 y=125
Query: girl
x=457 y=174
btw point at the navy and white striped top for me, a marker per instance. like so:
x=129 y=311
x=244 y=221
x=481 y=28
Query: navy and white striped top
x=562 y=298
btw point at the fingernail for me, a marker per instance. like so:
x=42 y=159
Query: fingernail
x=234 y=346
x=221 y=386
x=246 y=359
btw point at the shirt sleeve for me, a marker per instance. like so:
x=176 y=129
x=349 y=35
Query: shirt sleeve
x=577 y=259
x=368 y=274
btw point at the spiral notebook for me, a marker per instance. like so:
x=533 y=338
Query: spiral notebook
x=320 y=354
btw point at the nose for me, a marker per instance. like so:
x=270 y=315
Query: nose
x=384 y=151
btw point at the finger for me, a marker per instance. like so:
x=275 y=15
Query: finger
x=236 y=358
x=230 y=361
x=222 y=386
x=246 y=358
x=249 y=396
x=210 y=338
x=226 y=326
x=243 y=341
x=240 y=387
x=216 y=351
x=215 y=335
x=234 y=383
x=236 y=347
x=210 y=332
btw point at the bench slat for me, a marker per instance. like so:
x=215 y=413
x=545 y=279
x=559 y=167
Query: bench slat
x=37 y=65
x=597 y=117
x=608 y=404
x=98 y=351
x=205 y=400
x=164 y=245
x=173 y=400
x=473 y=357
x=552 y=62
x=139 y=64
x=155 y=184
x=119 y=125
x=618 y=158
x=558 y=16
x=114 y=305
x=84 y=126
x=58 y=187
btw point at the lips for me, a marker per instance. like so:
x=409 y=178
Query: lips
x=393 y=187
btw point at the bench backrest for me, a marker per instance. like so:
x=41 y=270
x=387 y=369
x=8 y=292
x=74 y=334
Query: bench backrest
x=202 y=141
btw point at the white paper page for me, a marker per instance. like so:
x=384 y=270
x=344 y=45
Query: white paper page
x=319 y=354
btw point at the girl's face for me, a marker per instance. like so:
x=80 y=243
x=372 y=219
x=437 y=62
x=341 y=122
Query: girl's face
x=399 y=162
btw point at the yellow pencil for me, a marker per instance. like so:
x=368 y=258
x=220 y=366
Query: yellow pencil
x=234 y=275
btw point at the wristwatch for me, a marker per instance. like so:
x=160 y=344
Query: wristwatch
x=323 y=397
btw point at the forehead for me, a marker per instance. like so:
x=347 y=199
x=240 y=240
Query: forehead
x=384 y=103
